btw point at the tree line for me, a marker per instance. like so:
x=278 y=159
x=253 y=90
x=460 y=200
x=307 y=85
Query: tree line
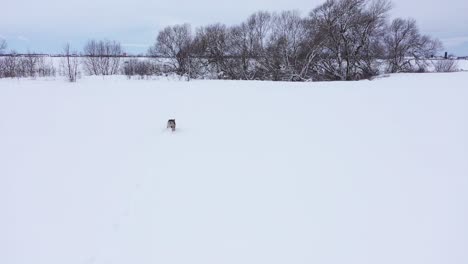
x=338 y=40
x=23 y=66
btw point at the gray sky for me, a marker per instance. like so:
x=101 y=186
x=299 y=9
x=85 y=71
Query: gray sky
x=45 y=25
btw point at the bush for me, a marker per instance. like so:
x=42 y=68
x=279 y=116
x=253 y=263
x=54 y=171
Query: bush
x=446 y=66
x=29 y=66
x=135 y=67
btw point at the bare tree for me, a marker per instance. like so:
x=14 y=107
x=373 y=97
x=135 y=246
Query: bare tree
x=211 y=46
x=141 y=68
x=29 y=65
x=259 y=29
x=174 y=43
x=70 y=63
x=3 y=45
x=102 y=57
x=241 y=47
x=339 y=40
x=310 y=52
x=247 y=43
x=406 y=48
x=351 y=29
x=446 y=65
x=284 y=49
x=10 y=65
x=45 y=68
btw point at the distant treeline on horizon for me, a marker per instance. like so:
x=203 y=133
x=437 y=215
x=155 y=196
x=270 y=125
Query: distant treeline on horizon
x=338 y=40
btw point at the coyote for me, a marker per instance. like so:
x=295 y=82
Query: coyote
x=171 y=124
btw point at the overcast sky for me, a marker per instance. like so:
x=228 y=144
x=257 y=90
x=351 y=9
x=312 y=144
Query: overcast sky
x=45 y=25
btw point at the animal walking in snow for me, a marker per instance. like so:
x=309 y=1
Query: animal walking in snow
x=171 y=124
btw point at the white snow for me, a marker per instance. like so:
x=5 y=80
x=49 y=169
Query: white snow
x=257 y=172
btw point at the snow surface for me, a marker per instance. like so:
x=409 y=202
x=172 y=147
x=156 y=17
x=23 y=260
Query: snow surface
x=257 y=172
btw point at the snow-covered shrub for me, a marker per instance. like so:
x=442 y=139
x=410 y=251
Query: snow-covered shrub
x=140 y=68
x=28 y=66
x=446 y=66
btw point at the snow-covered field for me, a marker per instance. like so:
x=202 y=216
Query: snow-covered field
x=369 y=172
